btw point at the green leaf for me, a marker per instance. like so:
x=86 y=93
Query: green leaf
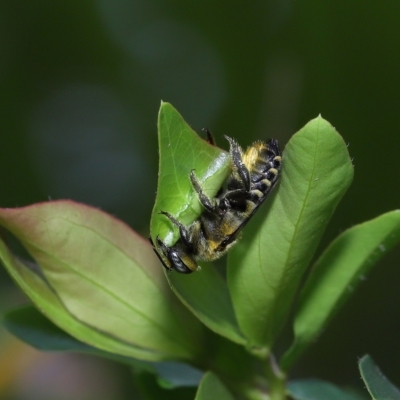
x=29 y=325
x=104 y=275
x=32 y=327
x=212 y=388
x=379 y=387
x=172 y=374
x=205 y=293
x=315 y=389
x=265 y=268
x=28 y=278
x=181 y=150
x=335 y=275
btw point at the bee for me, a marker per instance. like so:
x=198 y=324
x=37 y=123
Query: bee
x=254 y=174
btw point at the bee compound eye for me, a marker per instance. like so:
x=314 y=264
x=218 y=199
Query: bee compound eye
x=177 y=263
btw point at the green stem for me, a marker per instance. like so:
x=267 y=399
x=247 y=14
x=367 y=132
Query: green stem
x=276 y=379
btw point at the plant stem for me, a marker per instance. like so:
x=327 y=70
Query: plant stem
x=276 y=379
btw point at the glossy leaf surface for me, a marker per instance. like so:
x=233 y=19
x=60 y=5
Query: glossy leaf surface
x=336 y=273
x=265 y=268
x=105 y=277
x=27 y=277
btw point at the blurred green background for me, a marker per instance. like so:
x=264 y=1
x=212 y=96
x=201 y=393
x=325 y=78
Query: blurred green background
x=80 y=87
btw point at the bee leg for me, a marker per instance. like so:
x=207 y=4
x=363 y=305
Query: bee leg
x=163 y=262
x=177 y=257
x=236 y=154
x=223 y=205
x=209 y=136
x=183 y=231
x=205 y=201
x=236 y=198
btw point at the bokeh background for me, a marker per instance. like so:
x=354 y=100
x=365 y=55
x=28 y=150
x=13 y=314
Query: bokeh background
x=80 y=87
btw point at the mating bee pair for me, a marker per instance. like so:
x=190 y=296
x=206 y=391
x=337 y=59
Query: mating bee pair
x=254 y=174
